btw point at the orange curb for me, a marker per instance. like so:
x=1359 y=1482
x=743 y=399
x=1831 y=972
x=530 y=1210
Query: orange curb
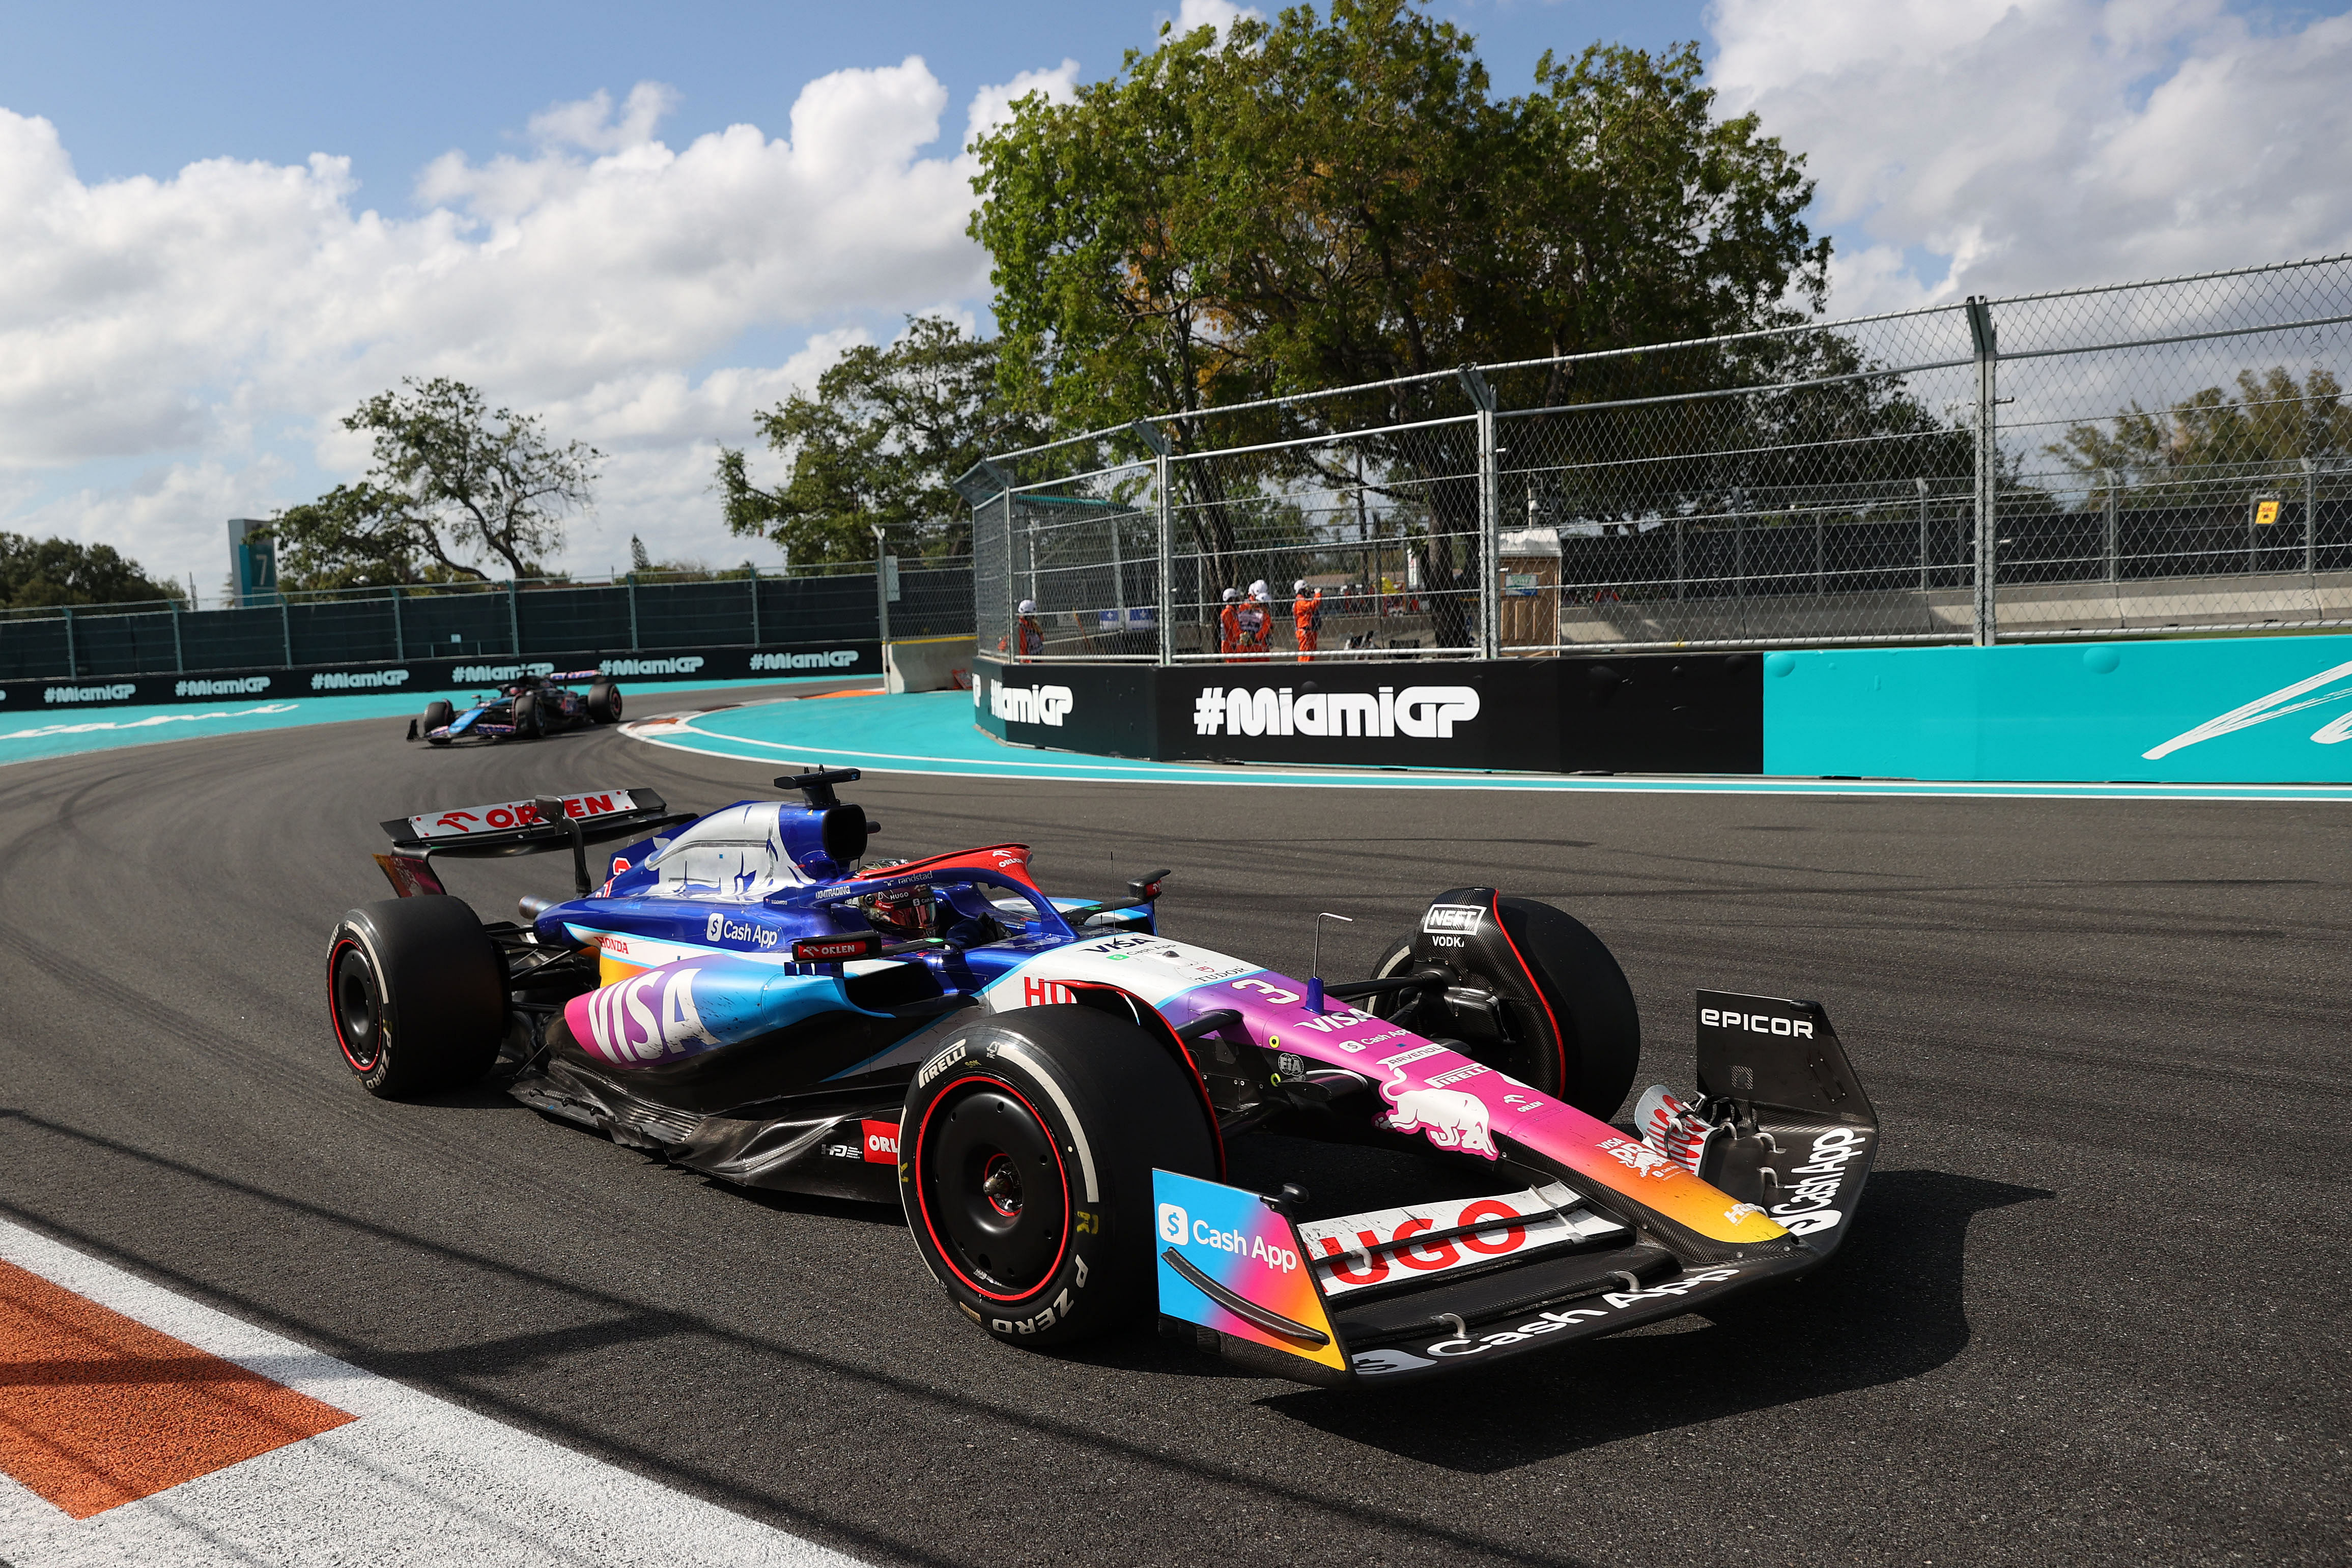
x=98 y=1409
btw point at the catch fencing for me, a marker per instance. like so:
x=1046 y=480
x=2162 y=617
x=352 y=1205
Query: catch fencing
x=2154 y=458
x=645 y=612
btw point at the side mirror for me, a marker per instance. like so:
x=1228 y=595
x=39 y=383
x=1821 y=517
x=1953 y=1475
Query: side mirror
x=550 y=811
x=1146 y=890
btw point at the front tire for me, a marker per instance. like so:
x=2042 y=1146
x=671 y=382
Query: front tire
x=605 y=702
x=437 y=713
x=525 y=720
x=1575 y=1033
x=1029 y=1142
x=415 y=994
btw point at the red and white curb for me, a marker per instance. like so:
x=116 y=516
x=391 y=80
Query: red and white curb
x=289 y=1456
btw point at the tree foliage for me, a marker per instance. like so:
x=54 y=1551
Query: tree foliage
x=2273 y=422
x=882 y=440
x=454 y=483
x=37 y=573
x=1306 y=203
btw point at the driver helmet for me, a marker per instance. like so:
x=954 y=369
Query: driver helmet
x=910 y=911
x=1028 y=607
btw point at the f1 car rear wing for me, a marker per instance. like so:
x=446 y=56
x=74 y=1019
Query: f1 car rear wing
x=518 y=828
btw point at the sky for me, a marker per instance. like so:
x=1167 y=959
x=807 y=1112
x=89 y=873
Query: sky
x=221 y=227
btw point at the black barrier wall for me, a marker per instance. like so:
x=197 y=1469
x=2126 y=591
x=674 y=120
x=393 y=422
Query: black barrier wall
x=434 y=675
x=1653 y=713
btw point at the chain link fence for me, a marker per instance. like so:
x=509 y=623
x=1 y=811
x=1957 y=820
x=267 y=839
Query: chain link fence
x=643 y=612
x=2143 y=459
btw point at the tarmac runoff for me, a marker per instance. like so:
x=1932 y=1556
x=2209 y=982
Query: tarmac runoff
x=933 y=733
x=58 y=732
x=137 y=1427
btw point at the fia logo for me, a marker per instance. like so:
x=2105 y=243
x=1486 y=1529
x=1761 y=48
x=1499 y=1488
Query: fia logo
x=1174 y=1224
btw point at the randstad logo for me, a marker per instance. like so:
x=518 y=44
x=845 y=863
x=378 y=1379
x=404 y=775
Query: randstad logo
x=1421 y=713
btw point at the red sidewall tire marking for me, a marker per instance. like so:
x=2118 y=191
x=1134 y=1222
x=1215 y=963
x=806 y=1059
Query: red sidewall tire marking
x=335 y=1006
x=923 y=1202
x=1535 y=984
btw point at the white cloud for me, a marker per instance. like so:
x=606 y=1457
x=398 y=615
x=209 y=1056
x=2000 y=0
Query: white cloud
x=202 y=322
x=2034 y=144
x=992 y=106
x=1218 y=14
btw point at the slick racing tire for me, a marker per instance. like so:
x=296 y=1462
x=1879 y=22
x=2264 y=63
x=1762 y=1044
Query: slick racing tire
x=1029 y=1141
x=605 y=702
x=415 y=994
x=436 y=713
x=526 y=722
x=1577 y=1036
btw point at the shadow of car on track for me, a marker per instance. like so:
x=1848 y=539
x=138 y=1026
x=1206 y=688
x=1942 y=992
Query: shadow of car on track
x=1888 y=1308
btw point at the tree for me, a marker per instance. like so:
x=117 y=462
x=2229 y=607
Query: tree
x=2204 y=446
x=882 y=441
x=354 y=536
x=1307 y=204
x=37 y=573
x=453 y=480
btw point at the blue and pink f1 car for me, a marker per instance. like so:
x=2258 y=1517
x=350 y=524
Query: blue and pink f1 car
x=1052 y=1090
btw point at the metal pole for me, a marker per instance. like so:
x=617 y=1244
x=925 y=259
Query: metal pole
x=179 y=663
x=73 y=661
x=1987 y=564
x=633 y=613
x=881 y=583
x=399 y=630
x=1490 y=519
x=2310 y=517
x=1925 y=583
x=514 y=619
x=286 y=629
x=755 y=606
x=1167 y=521
x=2107 y=508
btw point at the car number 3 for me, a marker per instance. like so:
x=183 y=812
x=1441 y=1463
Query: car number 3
x=1272 y=993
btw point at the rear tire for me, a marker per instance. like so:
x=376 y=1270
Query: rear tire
x=605 y=702
x=1028 y=1147
x=1592 y=1060
x=415 y=994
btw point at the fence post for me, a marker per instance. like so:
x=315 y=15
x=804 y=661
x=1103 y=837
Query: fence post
x=179 y=660
x=881 y=583
x=2310 y=517
x=1490 y=518
x=1921 y=486
x=514 y=622
x=633 y=613
x=755 y=605
x=1164 y=523
x=1682 y=559
x=399 y=630
x=73 y=662
x=1988 y=566
x=2107 y=512
x=286 y=629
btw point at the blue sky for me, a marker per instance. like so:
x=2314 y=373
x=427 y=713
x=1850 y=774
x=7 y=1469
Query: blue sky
x=146 y=88
x=221 y=227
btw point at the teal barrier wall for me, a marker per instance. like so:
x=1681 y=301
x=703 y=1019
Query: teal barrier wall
x=2205 y=710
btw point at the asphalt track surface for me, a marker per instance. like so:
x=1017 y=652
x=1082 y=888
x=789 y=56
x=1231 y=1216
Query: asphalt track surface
x=2093 y=1312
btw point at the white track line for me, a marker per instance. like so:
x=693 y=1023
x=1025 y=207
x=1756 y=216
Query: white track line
x=414 y=1479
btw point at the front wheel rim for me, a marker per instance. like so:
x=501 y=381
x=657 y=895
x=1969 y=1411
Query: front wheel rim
x=991 y=1182
x=356 y=1003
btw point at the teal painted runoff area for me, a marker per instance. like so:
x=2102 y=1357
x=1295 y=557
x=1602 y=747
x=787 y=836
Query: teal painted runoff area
x=58 y=732
x=933 y=733
x=2238 y=710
